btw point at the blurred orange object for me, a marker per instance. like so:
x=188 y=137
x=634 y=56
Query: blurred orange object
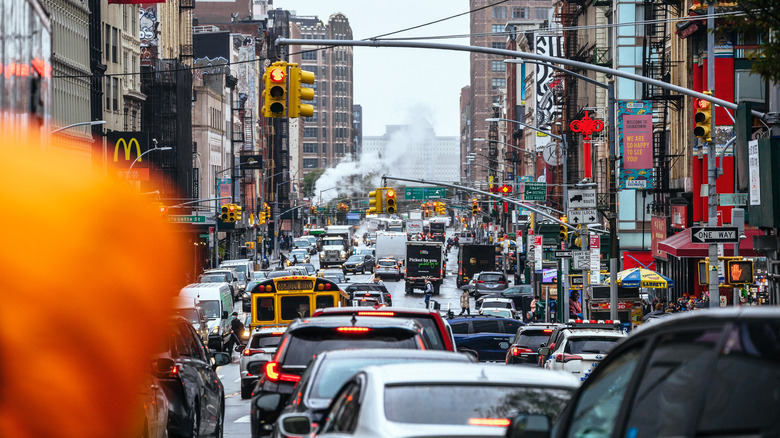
x=88 y=269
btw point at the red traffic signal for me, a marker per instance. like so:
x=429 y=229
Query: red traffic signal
x=702 y=104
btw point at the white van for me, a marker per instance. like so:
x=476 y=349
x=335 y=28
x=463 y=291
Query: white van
x=216 y=300
x=243 y=265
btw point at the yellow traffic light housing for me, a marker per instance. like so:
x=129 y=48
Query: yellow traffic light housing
x=224 y=212
x=261 y=218
x=739 y=272
x=299 y=76
x=375 y=201
x=231 y=213
x=474 y=206
x=275 y=92
x=238 y=212
x=578 y=237
x=703 y=118
x=390 y=204
x=564 y=231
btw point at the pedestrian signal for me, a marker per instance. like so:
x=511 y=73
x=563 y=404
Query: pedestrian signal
x=739 y=272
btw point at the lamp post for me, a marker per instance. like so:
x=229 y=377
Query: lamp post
x=127 y=177
x=276 y=216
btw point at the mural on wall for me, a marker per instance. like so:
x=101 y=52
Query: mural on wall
x=546 y=109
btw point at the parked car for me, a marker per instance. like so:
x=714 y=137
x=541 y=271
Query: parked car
x=388 y=268
x=695 y=374
x=488 y=336
x=358 y=264
x=490 y=282
x=460 y=400
x=331 y=369
x=528 y=339
x=304 y=339
x=261 y=349
x=186 y=370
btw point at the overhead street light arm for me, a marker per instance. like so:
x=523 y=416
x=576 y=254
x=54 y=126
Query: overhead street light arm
x=92 y=123
x=127 y=177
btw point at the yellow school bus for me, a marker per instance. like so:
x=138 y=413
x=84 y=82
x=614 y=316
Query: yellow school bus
x=280 y=300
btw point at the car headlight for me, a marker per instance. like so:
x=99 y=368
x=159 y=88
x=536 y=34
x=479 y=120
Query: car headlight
x=215 y=330
x=343 y=255
x=322 y=253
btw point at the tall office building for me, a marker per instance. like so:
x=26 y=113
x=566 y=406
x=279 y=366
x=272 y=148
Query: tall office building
x=328 y=135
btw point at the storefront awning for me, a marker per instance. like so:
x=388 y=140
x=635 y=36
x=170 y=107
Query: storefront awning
x=680 y=245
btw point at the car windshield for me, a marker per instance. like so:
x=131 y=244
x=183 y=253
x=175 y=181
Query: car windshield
x=532 y=339
x=506 y=313
x=525 y=289
x=332 y=242
x=491 y=278
x=335 y=279
x=355 y=258
x=404 y=404
x=190 y=315
x=277 y=274
x=301 y=243
x=299 y=252
x=266 y=340
x=302 y=348
x=594 y=345
x=213 y=279
x=260 y=275
x=210 y=309
x=241 y=268
x=241 y=276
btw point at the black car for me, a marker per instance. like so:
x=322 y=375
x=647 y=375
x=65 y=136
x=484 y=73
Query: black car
x=364 y=290
x=487 y=336
x=359 y=264
x=330 y=370
x=705 y=373
x=304 y=339
x=186 y=371
x=527 y=341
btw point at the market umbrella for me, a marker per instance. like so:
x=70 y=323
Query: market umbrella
x=641 y=277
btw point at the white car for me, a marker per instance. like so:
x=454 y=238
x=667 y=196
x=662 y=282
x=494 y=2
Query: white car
x=460 y=400
x=580 y=351
x=495 y=303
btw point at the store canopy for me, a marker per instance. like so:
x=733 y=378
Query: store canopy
x=680 y=245
x=640 y=277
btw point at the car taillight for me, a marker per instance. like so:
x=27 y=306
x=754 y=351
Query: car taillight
x=352 y=329
x=547 y=331
x=271 y=371
x=566 y=357
x=480 y=281
x=175 y=372
x=460 y=271
x=497 y=422
x=251 y=351
x=376 y=313
x=389 y=296
x=502 y=282
x=517 y=351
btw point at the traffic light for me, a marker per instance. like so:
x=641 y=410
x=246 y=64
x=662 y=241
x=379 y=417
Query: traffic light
x=224 y=213
x=375 y=201
x=390 y=204
x=474 y=206
x=578 y=237
x=267 y=211
x=231 y=213
x=298 y=93
x=238 y=212
x=261 y=218
x=739 y=272
x=703 y=118
x=275 y=92
x=564 y=231
x=313 y=210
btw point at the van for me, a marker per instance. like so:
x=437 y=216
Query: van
x=217 y=303
x=245 y=266
x=189 y=309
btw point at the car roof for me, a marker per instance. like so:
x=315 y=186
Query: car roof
x=470 y=373
x=397 y=310
x=347 y=321
x=595 y=333
x=717 y=316
x=395 y=353
x=491 y=272
x=459 y=318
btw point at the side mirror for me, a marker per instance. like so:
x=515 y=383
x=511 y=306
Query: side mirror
x=163 y=366
x=256 y=367
x=529 y=426
x=219 y=359
x=294 y=424
x=504 y=345
x=268 y=402
x=544 y=351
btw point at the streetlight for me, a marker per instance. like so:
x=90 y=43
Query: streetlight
x=127 y=177
x=92 y=123
x=325 y=190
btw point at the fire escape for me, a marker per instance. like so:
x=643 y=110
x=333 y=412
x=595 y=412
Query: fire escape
x=657 y=65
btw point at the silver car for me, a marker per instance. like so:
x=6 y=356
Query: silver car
x=388 y=268
x=490 y=282
x=461 y=399
x=261 y=347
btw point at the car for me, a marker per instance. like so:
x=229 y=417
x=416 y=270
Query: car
x=436 y=328
x=366 y=251
x=298 y=256
x=258 y=275
x=313 y=241
x=484 y=335
x=561 y=330
x=261 y=349
x=499 y=303
x=489 y=282
x=242 y=266
x=154 y=404
x=304 y=244
x=521 y=294
x=331 y=369
x=387 y=267
x=580 y=352
x=310 y=269
x=704 y=373
x=359 y=290
x=498 y=311
x=186 y=370
x=190 y=309
x=435 y=400
x=284 y=273
x=359 y=264
x=528 y=339
x=306 y=338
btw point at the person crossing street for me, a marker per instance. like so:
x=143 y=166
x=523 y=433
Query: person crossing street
x=464 y=303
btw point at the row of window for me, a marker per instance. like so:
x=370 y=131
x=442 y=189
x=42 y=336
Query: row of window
x=499 y=12
x=523 y=12
x=112 y=91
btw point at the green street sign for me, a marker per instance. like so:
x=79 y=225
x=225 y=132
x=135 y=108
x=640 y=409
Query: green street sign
x=423 y=193
x=535 y=191
x=203 y=235
x=183 y=219
x=320 y=209
x=413 y=193
x=733 y=199
x=435 y=192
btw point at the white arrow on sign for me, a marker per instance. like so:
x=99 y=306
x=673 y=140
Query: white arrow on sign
x=584 y=216
x=714 y=234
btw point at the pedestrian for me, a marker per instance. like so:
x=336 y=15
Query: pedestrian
x=428 y=290
x=236 y=328
x=282 y=260
x=575 y=308
x=266 y=263
x=464 y=303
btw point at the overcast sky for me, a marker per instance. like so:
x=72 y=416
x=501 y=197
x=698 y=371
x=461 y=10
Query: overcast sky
x=393 y=85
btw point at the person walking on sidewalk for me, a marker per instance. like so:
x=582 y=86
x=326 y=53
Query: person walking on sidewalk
x=464 y=303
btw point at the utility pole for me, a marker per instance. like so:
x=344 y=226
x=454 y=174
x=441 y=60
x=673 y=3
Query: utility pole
x=712 y=191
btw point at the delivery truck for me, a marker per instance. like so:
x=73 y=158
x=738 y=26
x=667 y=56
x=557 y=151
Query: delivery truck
x=424 y=260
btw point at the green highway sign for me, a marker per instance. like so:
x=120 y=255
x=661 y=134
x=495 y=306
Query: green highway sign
x=423 y=193
x=535 y=191
x=183 y=219
x=413 y=193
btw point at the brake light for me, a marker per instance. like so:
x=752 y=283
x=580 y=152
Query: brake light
x=480 y=281
x=517 y=351
x=273 y=374
x=566 y=357
x=460 y=271
x=497 y=422
x=352 y=329
x=251 y=351
x=376 y=313
x=389 y=296
x=502 y=282
x=547 y=331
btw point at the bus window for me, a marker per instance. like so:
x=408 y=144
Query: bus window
x=294 y=307
x=265 y=308
x=323 y=301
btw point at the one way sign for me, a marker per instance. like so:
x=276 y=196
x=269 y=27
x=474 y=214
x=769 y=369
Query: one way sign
x=714 y=234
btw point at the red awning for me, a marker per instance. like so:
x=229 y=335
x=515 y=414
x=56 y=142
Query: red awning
x=680 y=245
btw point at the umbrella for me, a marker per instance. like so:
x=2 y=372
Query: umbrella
x=640 y=277
x=512 y=243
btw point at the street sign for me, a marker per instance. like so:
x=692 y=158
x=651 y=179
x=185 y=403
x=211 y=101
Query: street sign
x=733 y=199
x=714 y=234
x=582 y=198
x=536 y=191
x=575 y=281
x=580 y=259
x=584 y=216
x=422 y=193
x=563 y=254
x=183 y=219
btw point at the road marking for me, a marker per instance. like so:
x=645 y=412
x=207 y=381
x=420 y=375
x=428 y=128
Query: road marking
x=244 y=419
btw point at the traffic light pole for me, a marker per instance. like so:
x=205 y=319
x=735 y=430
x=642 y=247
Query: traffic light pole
x=712 y=192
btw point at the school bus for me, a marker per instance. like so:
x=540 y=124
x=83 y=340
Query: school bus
x=279 y=300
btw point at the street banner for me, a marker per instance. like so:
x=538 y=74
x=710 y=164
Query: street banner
x=548 y=85
x=635 y=143
x=595 y=255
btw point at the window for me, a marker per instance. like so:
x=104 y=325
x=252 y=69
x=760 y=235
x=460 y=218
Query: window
x=520 y=12
x=309 y=132
x=265 y=307
x=540 y=13
x=497 y=66
x=499 y=12
x=499 y=82
x=324 y=149
x=114 y=44
x=497 y=28
x=294 y=307
x=309 y=55
x=498 y=45
x=344 y=413
x=598 y=405
x=324 y=132
x=108 y=93
x=485 y=326
x=310 y=148
x=107 y=39
x=323 y=301
x=309 y=163
x=669 y=387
